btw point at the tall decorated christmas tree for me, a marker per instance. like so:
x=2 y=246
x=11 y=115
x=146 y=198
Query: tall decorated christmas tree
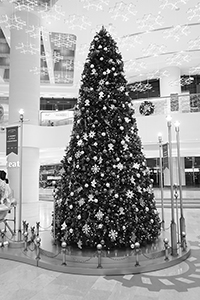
x=105 y=195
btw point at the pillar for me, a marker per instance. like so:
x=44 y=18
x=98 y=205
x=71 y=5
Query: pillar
x=170 y=81
x=24 y=92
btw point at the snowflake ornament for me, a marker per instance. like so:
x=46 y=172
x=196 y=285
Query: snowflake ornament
x=113 y=234
x=81 y=202
x=136 y=166
x=86 y=229
x=93 y=183
x=95 y=169
x=99 y=215
x=120 y=166
x=129 y=194
x=91 y=134
x=64 y=225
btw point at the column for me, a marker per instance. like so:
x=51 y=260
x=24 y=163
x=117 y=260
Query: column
x=170 y=81
x=24 y=93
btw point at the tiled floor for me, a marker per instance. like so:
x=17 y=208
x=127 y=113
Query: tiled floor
x=24 y=282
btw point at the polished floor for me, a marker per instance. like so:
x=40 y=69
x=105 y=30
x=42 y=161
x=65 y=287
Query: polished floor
x=25 y=282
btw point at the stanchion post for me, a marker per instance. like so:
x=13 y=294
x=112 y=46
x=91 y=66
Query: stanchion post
x=137 y=252
x=64 y=246
x=99 y=252
x=182 y=219
x=173 y=224
x=161 y=179
x=38 y=240
x=26 y=241
x=166 y=245
x=37 y=228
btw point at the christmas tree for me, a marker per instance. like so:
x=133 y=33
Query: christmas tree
x=105 y=195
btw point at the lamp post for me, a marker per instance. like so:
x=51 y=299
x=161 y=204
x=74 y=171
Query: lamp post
x=173 y=224
x=161 y=178
x=21 y=120
x=182 y=219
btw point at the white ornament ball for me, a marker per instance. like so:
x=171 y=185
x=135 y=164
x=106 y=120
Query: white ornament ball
x=101 y=58
x=116 y=196
x=71 y=230
x=86 y=185
x=71 y=206
x=104 y=73
x=121 y=128
x=103 y=134
x=107 y=82
x=108 y=184
x=72 y=194
x=113 y=68
x=105 y=48
x=79 y=217
x=92 y=66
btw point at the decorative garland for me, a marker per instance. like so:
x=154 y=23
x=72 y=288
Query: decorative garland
x=146 y=108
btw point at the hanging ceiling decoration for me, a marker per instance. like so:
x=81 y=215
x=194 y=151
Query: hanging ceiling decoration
x=122 y=10
x=150 y=22
x=77 y=21
x=96 y=4
x=157 y=74
x=13 y=22
x=143 y=30
x=140 y=87
x=177 y=59
x=27 y=48
x=172 y=4
x=154 y=50
x=194 y=12
x=176 y=32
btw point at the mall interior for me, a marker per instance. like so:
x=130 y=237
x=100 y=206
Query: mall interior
x=43 y=49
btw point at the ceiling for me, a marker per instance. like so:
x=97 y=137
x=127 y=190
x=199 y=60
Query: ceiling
x=151 y=35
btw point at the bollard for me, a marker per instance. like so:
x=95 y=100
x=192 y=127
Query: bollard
x=166 y=245
x=37 y=228
x=26 y=241
x=38 y=240
x=64 y=245
x=2 y=238
x=32 y=234
x=137 y=251
x=184 y=244
x=99 y=248
x=24 y=226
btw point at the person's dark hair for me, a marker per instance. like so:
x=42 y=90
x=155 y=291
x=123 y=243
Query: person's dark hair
x=2 y=175
x=7 y=181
